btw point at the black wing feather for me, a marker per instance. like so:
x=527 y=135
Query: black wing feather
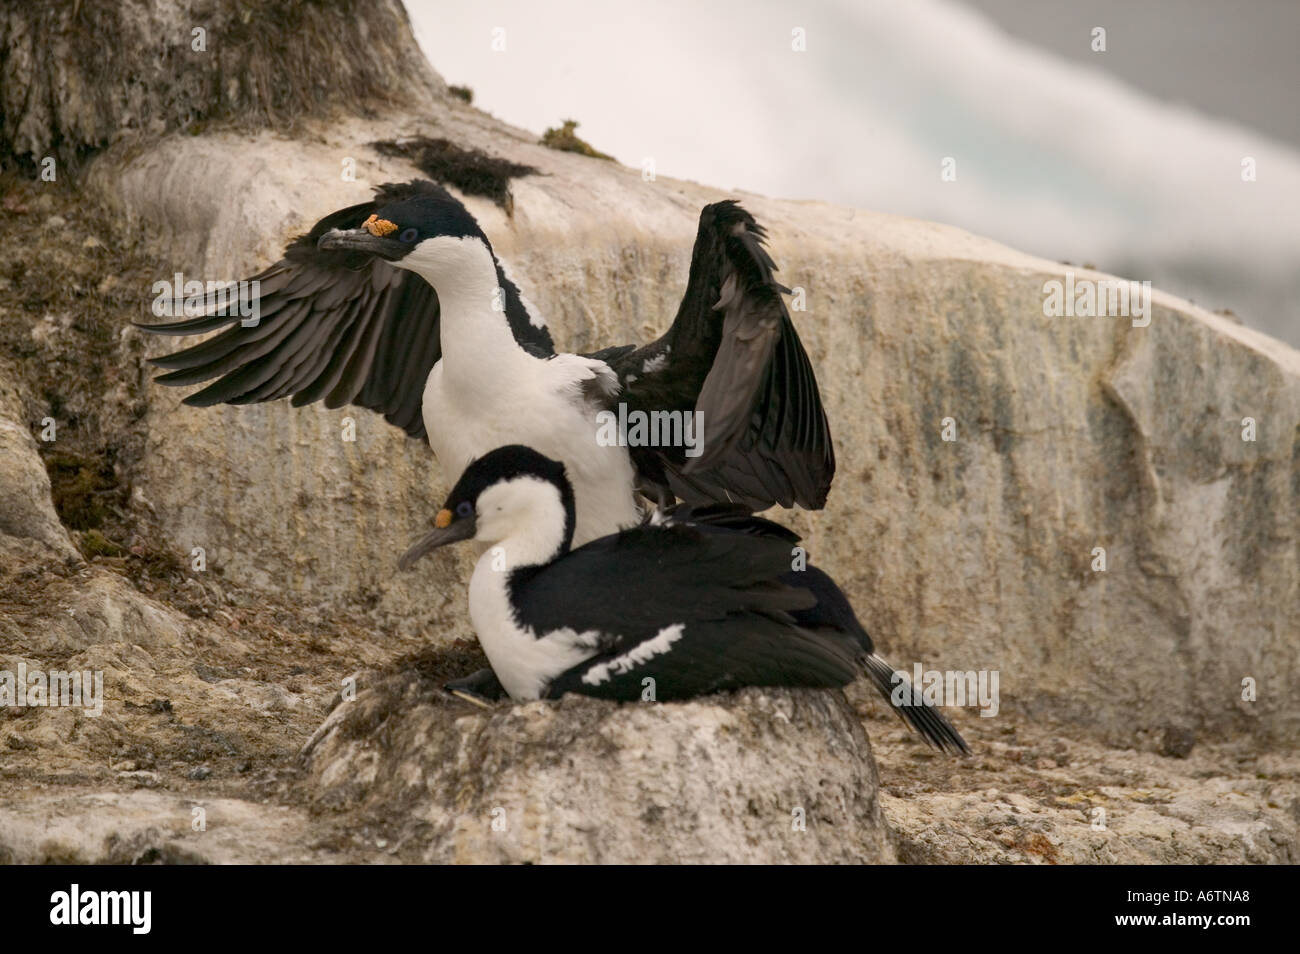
x=710 y=575
x=333 y=326
x=733 y=354
x=830 y=613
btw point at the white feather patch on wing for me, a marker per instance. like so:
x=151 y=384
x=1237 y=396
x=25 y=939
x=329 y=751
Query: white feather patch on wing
x=657 y=645
x=590 y=376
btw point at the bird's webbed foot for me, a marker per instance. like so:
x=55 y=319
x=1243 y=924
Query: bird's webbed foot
x=481 y=688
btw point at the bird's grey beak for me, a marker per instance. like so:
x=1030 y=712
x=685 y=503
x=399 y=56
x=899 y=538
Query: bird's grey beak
x=447 y=529
x=360 y=240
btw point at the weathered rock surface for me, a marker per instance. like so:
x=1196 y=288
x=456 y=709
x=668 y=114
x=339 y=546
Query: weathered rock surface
x=176 y=64
x=1121 y=690
x=29 y=527
x=1071 y=433
x=756 y=777
x=144 y=827
x=1040 y=793
x=78 y=606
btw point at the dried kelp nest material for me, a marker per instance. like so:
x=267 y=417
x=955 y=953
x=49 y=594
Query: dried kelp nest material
x=472 y=171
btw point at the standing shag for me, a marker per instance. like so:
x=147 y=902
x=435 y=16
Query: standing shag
x=697 y=601
x=400 y=305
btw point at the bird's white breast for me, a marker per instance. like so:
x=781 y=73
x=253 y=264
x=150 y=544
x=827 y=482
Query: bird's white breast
x=524 y=664
x=532 y=402
x=487 y=391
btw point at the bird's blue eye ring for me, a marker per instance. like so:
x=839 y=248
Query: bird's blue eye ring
x=409 y=235
x=464 y=508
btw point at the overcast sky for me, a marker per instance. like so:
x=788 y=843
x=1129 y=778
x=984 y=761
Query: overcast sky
x=1129 y=158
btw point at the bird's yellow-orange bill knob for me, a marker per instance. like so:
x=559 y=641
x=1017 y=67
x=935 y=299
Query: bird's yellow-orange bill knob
x=378 y=227
x=443 y=519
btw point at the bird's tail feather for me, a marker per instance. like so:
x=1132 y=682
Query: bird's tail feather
x=920 y=715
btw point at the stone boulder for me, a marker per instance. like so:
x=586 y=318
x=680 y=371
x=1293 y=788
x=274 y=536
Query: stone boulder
x=759 y=776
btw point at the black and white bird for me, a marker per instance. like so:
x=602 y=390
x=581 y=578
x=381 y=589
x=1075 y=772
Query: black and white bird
x=699 y=601
x=400 y=305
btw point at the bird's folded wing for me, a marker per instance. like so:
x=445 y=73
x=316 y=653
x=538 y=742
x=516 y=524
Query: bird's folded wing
x=699 y=611
x=630 y=580
x=330 y=325
x=694 y=659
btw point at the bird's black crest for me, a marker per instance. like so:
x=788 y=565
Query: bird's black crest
x=426 y=207
x=507 y=463
x=432 y=211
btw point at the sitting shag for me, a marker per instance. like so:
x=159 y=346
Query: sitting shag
x=350 y=315
x=697 y=601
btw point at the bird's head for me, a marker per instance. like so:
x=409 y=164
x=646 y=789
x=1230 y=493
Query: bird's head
x=419 y=226
x=512 y=494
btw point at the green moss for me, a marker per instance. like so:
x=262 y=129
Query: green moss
x=566 y=140
x=462 y=93
x=94 y=543
x=84 y=489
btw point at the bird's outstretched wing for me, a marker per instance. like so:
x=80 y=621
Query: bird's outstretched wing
x=337 y=326
x=732 y=353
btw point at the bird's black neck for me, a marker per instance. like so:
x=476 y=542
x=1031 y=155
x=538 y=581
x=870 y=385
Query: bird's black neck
x=533 y=339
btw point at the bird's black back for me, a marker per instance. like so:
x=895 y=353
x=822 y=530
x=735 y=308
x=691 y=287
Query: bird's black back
x=723 y=588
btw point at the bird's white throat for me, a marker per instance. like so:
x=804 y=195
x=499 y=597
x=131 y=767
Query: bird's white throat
x=471 y=302
x=523 y=523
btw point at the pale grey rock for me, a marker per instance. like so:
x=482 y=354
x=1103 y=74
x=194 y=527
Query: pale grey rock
x=149 y=827
x=1040 y=794
x=88 y=607
x=755 y=777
